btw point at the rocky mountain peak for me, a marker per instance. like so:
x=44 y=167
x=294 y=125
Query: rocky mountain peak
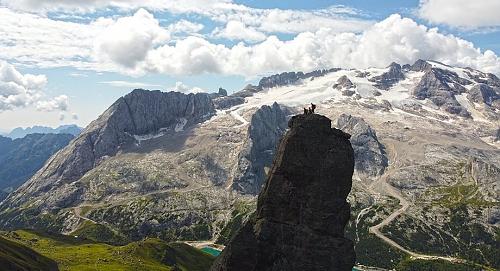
x=343 y=82
x=482 y=93
x=140 y=112
x=389 y=78
x=440 y=87
x=371 y=159
x=222 y=92
x=302 y=209
x=420 y=66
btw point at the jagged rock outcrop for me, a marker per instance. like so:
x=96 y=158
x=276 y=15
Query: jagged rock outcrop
x=369 y=153
x=138 y=113
x=420 y=66
x=288 y=78
x=247 y=91
x=483 y=78
x=222 y=92
x=482 y=93
x=344 y=84
x=389 y=78
x=302 y=209
x=435 y=86
x=266 y=128
x=227 y=101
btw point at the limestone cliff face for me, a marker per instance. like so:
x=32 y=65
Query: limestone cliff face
x=369 y=153
x=302 y=209
x=138 y=113
x=266 y=128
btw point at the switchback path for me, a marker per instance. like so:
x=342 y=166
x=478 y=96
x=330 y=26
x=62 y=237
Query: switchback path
x=381 y=186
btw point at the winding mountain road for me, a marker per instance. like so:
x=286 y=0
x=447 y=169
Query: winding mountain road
x=381 y=186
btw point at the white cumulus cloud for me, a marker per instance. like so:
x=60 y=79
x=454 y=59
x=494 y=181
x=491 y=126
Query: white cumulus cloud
x=236 y=30
x=59 y=103
x=84 y=6
x=461 y=13
x=138 y=44
x=129 y=84
x=19 y=90
x=393 y=39
x=181 y=87
x=127 y=40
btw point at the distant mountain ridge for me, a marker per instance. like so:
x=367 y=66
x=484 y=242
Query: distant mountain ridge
x=20 y=132
x=22 y=157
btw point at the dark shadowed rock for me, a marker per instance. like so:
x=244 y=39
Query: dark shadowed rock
x=222 y=92
x=440 y=87
x=482 y=93
x=368 y=151
x=344 y=84
x=302 y=209
x=22 y=157
x=420 y=66
x=266 y=128
x=227 y=101
x=389 y=78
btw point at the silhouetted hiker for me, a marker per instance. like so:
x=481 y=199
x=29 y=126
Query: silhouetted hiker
x=306 y=111
x=313 y=107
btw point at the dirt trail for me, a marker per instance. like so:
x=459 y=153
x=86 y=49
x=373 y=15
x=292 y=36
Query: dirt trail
x=382 y=187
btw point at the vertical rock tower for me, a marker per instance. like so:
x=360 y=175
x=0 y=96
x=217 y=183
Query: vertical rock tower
x=302 y=209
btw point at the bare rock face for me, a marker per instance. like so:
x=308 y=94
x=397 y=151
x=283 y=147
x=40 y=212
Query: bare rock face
x=369 y=153
x=389 y=78
x=302 y=209
x=440 y=87
x=420 y=66
x=266 y=128
x=482 y=93
x=288 y=78
x=226 y=102
x=345 y=85
x=138 y=113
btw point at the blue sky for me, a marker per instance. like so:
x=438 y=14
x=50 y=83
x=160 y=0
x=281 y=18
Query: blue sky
x=67 y=62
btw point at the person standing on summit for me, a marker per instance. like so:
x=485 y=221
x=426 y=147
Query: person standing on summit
x=313 y=107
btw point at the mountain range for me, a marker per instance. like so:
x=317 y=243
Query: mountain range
x=22 y=157
x=189 y=166
x=20 y=132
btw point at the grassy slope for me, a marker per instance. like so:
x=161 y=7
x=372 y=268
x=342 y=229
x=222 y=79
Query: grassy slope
x=14 y=256
x=77 y=254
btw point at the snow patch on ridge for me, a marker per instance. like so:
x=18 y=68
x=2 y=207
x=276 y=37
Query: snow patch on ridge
x=463 y=101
